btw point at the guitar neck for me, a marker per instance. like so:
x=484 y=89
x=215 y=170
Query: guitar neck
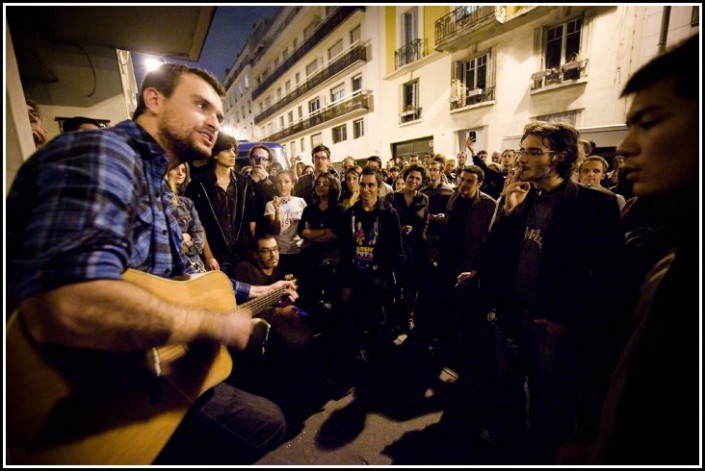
x=261 y=303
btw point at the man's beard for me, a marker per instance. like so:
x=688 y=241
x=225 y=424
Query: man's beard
x=184 y=150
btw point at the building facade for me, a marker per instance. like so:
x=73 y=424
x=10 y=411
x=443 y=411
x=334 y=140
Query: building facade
x=397 y=80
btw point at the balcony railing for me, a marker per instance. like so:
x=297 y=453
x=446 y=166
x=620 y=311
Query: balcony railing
x=471 y=97
x=360 y=100
x=409 y=53
x=411 y=113
x=557 y=75
x=465 y=20
x=357 y=53
x=335 y=20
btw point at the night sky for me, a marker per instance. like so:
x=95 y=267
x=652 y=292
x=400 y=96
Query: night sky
x=227 y=35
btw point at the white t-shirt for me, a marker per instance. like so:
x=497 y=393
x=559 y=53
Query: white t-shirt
x=288 y=239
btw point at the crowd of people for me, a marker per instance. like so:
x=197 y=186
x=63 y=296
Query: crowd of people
x=573 y=266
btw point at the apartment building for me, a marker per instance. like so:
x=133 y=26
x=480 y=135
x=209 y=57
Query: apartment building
x=403 y=79
x=309 y=77
x=491 y=69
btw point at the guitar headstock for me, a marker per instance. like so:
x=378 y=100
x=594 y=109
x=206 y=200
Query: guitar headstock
x=290 y=277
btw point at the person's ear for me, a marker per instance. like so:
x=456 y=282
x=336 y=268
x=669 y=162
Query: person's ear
x=152 y=99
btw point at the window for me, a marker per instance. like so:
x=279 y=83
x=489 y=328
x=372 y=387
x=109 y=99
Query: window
x=295 y=44
x=337 y=93
x=316 y=139
x=357 y=83
x=358 y=128
x=279 y=93
x=285 y=53
x=300 y=112
x=281 y=122
x=287 y=87
x=409 y=25
x=340 y=133
x=247 y=82
x=308 y=30
x=471 y=78
x=314 y=106
x=239 y=88
x=290 y=116
x=410 y=95
x=312 y=67
x=298 y=78
x=355 y=34
x=335 y=49
x=302 y=141
x=563 y=43
x=292 y=147
x=267 y=102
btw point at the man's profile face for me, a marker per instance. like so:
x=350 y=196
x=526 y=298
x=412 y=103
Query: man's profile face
x=661 y=147
x=189 y=120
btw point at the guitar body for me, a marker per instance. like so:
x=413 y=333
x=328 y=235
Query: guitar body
x=73 y=406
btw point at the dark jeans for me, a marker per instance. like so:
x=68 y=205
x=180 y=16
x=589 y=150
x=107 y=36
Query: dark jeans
x=225 y=426
x=542 y=366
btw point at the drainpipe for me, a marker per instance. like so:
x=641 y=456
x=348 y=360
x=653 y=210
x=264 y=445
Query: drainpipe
x=664 y=28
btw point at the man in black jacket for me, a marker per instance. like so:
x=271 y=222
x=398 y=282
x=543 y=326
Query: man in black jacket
x=551 y=242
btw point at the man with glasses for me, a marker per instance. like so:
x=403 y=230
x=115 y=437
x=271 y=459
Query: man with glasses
x=260 y=157
x=552 y=242
x=321 y=164
x=289 y=331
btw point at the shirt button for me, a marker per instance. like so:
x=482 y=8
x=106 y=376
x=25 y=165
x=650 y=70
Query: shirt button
x=164 y=232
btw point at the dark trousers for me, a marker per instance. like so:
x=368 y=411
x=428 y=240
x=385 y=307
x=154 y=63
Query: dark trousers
x=225 y=426
x=542 y=366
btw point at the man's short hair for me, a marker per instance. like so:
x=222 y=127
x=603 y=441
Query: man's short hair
x=474 y=169
x=375 y=158
x=595 y=158
x=320 y=148
x=372 y=171
x=166 y=77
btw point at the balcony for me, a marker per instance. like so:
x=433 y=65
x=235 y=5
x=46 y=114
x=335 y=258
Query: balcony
x=331 y=23
x=360 y=100
x=471 y=97
x=409 y=53
x=411 y=113
x=357 y=53
x=569 y=72
x=457 y=26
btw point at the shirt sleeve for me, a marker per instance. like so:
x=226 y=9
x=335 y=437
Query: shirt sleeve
x=79 y=221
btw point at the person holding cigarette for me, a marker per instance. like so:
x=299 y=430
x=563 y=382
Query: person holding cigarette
x=551 y=242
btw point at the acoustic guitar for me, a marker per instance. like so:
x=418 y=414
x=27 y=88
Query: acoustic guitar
x=74 y=406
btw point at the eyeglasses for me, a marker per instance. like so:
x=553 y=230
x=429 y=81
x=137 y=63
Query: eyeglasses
x=534 y=152
x=320 y=157
x=268 y=251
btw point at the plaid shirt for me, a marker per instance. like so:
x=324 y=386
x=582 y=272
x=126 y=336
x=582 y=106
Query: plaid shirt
x=89 y=205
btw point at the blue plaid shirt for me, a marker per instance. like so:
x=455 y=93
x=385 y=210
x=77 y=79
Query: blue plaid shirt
x=90 y=204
